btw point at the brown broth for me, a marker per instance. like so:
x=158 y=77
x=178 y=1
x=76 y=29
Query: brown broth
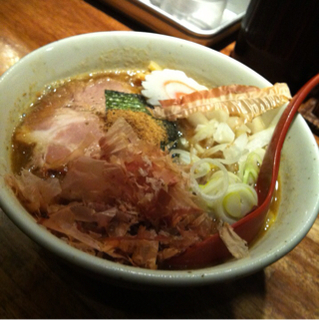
x=272 y=213
x=59 y=93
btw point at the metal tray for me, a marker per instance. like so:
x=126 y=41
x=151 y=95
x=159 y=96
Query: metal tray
x=149 y=13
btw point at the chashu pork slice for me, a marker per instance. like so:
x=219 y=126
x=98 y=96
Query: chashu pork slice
x=84 y=95
x=61 y=135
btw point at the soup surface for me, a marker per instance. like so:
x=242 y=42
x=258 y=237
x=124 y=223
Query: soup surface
x=96 y=165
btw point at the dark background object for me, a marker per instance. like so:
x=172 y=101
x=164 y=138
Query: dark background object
x=278 y=39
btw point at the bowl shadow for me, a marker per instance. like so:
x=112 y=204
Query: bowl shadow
x=222 y=300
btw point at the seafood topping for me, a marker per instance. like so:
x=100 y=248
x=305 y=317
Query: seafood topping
x=245 y=101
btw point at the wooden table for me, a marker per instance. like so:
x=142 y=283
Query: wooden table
x=35 y=284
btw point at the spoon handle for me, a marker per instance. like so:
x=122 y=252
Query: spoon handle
x=270 y=166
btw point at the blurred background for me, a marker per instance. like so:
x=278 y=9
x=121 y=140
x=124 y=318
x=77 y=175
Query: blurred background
x=275 y=38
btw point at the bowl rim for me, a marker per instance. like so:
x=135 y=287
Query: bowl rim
x=136 y=275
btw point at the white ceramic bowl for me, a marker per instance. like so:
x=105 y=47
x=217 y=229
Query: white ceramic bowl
x=299 y=167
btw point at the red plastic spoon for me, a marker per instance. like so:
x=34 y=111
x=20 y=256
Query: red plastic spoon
x=213 y=250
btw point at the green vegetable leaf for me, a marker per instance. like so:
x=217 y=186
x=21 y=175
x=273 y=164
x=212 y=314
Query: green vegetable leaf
x=115 y=100
x=125 y=101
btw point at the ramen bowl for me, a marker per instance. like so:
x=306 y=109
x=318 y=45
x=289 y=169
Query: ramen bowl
x=299 y=170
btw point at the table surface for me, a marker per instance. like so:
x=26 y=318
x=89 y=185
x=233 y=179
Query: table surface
x=35 y=284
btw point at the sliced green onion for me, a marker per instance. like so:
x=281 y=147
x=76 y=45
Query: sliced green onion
x=251 y=168
x=217 y=190
x=185 y=157
x=239 y=200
